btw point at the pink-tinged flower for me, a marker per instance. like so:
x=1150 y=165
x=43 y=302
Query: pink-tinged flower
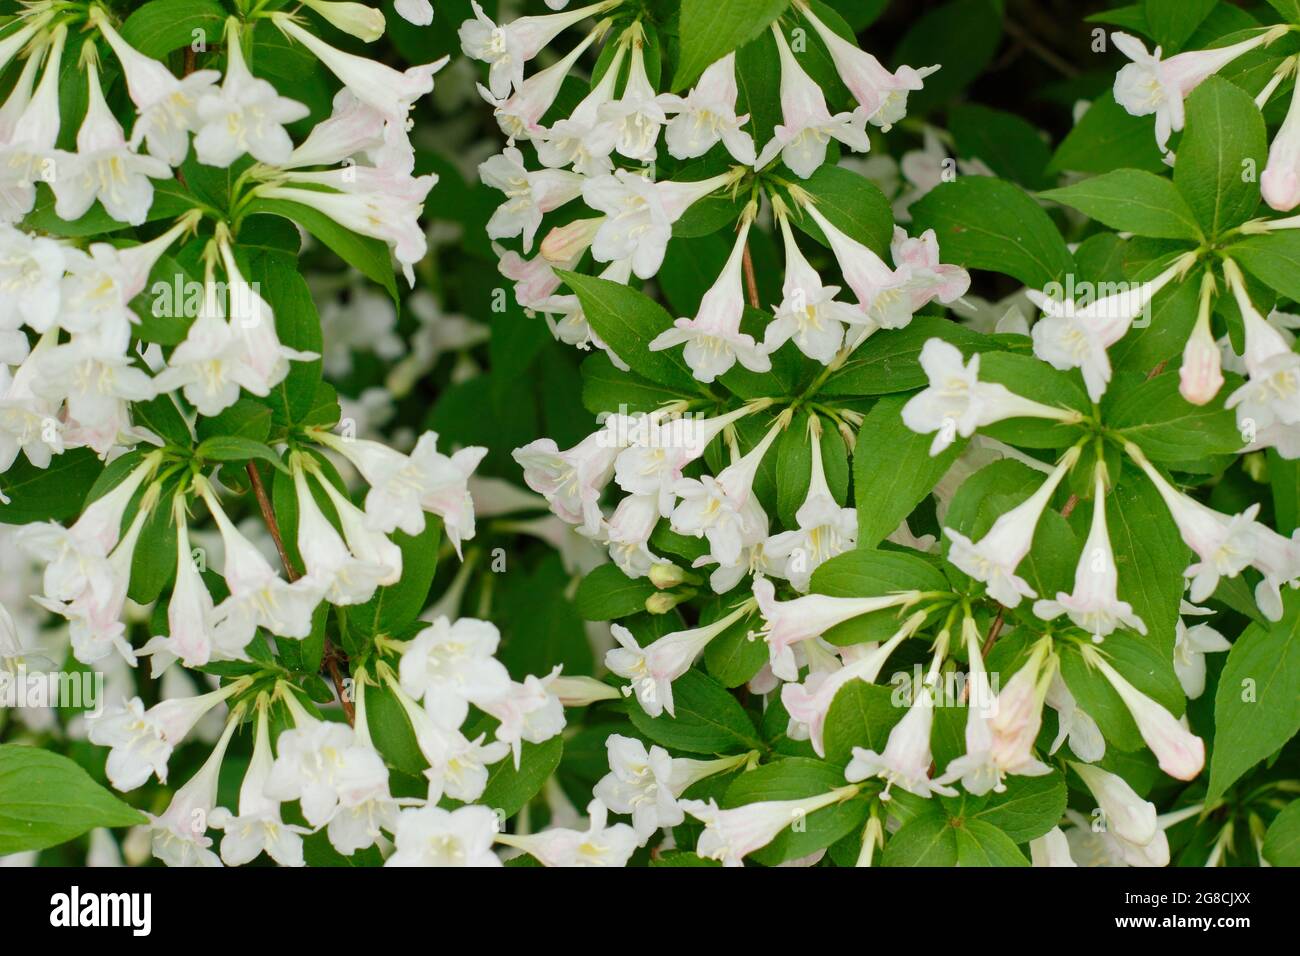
x=529 y=195
x=731 y=835
x=807 y=124
x=1094 y=605
x=1151 y=84
x=506 y=49
x=1017 y=714
x=713 y=340
x=707 y=115
x=571 y=481
x=906 y=759
x=787 y=623
x=1073 y=336
x=1180 y=753
x=598 y=845
x=1280 y=181
x=653 y=668
x=179 y=833
x=1127 y=815
x=881 y=94
x=627 y=534
x=995 y=557
x=957 y=402
x=977 y=769
x=1201 y=375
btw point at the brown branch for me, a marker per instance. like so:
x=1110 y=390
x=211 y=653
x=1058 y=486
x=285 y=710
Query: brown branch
x=994 y=631
x=268 y=516
x=1070 y=505
x=751 y=280
x=331 y=655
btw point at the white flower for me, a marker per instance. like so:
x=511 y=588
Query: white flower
x=730 y=835
x=168 y=106
x=995 y=557
x=31 y=271
x=1077 y=337
x=571 y=481
x=27 y=145
x=707 y=115
x=179 y=835
x=140 y=741
x=1153 y=85
x=1268 y=404
x=528 y=711
x=647 y=783
x=451 y=665
x=190 y=612
x=29 y=422
x=1180 y=753
x=507 y=48
x=1017 y=714
x=786 y=623
x=258 y=596
x=881 y=94
x=640 y=215
x=807 y=125
x=627 y=533
x=432 y=836
x=319 y=761
x=99 y=383
x=419 y=12
x=259 y=828
x=585 y=139
x=599 y=845
x=977 y=769
x=1074 y=724
x=653 y=668
x=341 y=577
x=105 y=168
x=246 y=115
x=636 y=116
x=906 y=758
x=1191 y=644
x=808 y=313
x=714 y=342
x=391 y=92
x=356 y=19
x=529 y=195
x=1127 y=815
x=1051 y=849
x=404 y=487
x=825 y=529
x=715 y=508
x=1095 y=605
x=520 y=115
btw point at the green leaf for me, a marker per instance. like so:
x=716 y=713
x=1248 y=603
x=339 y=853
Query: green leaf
x=708 y=720
x=1273 y=259
x=627 y=321
x=980 y=844
x=794 y=466
x=1029 y=808
x=1257 y=709
x=606 y=594
x=1156 y=417
x=1132 y=200
x=238 y=448
x=48 y=494
x=246 y=418
x=732 y=658
x=298 y=326
x=927 y=840
x=963 y=36
x=1225 y=140
x=795 y=778
x=46 y=799
x=1107 y=137
x=508 y=789
x=985 y=223
x=710 y=29
x=1010 y=146
x=1284 y=477
x=1034 y=379
x=159 y=27
x=867 y=573
x=1149 y=557
x=1172 y=21
x=1282 y=841
x=893 y=471
x=861 y=715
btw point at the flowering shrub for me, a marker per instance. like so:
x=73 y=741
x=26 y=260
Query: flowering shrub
x=825 y=558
